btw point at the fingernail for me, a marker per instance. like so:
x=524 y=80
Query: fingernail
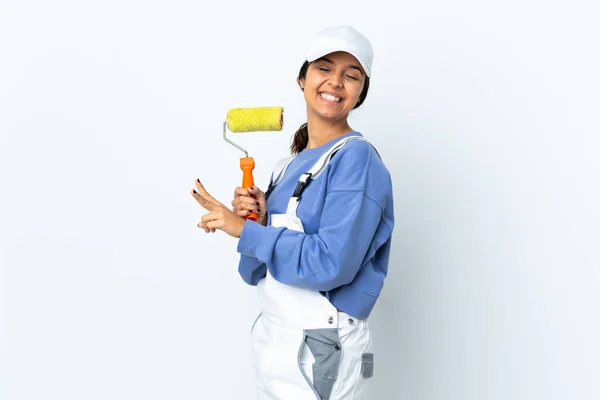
x=257 y=203
x=195 y=191
x=258 y=210
x=198 y=180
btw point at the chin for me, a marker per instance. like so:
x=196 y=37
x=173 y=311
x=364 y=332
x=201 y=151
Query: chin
x=325 y=116
x=330 y=115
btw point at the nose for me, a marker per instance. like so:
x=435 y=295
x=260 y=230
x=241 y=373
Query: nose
x=335 y=80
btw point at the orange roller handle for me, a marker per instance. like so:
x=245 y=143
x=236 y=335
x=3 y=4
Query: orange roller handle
x=247 y=165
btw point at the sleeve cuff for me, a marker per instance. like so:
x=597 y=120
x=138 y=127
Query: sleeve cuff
x=250 y=243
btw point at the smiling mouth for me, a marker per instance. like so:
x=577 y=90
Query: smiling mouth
x=330 y=97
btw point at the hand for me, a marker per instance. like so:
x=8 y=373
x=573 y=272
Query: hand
x=246 y=201
x=219 y=216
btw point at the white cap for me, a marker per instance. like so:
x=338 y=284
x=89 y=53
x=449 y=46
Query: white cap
x=342 y=38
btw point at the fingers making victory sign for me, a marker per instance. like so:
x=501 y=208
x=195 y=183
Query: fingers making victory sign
x=219 y=216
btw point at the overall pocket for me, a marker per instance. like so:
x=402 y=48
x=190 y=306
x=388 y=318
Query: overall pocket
x=325 y=348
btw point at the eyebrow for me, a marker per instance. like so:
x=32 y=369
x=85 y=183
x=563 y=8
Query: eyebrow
x=331 y=62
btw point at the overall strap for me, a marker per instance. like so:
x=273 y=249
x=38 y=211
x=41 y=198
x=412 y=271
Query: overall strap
x=315 y=171
x=278 y=173
x=280 y=169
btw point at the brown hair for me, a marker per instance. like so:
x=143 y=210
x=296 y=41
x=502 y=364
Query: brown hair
x=300 y=140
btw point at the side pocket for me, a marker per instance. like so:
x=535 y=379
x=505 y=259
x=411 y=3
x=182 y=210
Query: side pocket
x=255 y=321
x=367 y=365
x=303 y=352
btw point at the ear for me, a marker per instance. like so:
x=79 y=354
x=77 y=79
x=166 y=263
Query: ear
x=301 y=83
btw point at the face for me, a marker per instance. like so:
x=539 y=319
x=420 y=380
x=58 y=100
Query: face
x=332 y=86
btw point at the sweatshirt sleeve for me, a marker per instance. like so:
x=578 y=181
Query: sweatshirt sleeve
x=251 y=269
x=332 y=256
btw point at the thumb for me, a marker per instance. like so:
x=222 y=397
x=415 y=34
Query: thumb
x=254 y=190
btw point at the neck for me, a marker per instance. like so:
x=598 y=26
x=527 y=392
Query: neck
x=321 y=132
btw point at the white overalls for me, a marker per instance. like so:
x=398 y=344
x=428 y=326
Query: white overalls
x=303 y=347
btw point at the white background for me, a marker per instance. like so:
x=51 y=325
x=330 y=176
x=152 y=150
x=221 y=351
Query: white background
x=486 y=114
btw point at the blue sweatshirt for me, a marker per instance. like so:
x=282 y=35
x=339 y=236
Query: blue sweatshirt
x=348 y=217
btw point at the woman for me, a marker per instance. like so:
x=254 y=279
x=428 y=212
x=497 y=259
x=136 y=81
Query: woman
x=319 y=251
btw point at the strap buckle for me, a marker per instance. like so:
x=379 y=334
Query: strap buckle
x=302 y=182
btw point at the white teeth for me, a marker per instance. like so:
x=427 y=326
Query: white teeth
x=330 y=97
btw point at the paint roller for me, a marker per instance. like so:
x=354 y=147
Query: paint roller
x=251 y=119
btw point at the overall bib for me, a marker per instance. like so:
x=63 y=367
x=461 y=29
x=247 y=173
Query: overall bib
x=304 y=348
